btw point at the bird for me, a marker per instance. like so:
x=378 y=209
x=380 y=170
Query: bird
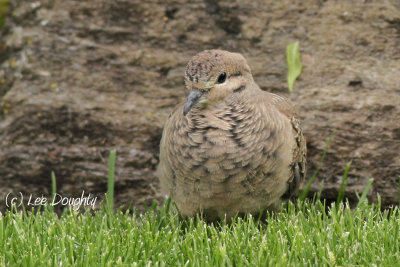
x=231 y=148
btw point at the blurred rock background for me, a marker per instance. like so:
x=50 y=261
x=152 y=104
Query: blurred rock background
x=79 y=78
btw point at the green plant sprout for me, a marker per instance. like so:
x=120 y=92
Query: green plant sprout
x=293 y=64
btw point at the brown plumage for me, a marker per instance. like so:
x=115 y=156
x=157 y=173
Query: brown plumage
x=231 y=147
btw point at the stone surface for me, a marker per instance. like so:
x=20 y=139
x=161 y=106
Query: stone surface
x=79 y=78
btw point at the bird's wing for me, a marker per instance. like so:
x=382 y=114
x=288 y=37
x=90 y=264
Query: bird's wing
x=172 y=133
x=299 y=162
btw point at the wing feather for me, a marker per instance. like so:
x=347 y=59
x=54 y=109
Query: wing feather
x=299 y=163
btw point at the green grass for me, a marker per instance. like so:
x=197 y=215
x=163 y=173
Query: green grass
x=4 y=5
x=111 y=179
x=293 y=63
x=303 y=194
x=304 y=233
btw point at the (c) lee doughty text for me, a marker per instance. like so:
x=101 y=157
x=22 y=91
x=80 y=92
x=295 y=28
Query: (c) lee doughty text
x=57 y=199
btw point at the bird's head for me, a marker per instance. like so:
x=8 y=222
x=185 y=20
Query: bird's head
x=212 y=75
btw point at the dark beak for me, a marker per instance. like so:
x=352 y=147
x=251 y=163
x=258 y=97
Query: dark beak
x=193 y=99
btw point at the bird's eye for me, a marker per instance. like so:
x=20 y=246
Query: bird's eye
x=222 y=77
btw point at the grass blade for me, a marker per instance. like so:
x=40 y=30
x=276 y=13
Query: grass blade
x=306 y=189
x=110 y=181
x=343 y=184
x=365 y=192
x=293 y=64
x=321 y=187
x=53 y=184
x=53 y=188
x=4 y=7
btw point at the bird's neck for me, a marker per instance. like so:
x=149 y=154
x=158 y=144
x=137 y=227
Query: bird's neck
x=222 y=114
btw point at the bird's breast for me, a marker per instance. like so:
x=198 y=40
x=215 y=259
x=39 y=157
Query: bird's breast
x=219 y=148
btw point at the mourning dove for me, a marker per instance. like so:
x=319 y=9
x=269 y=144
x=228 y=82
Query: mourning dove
x=231 y=148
